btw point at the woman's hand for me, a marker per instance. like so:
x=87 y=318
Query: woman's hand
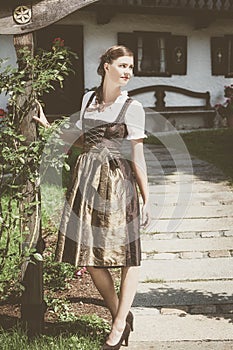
x=146 y=215
x=139 y=167
x=42 y=118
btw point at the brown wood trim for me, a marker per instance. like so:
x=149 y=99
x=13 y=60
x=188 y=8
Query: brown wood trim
x=159 y=93
x=44 y=13
x=169 y=10
x=205 y=111
x=169 y=88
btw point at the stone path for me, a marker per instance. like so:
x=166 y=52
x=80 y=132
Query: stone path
x=185 y=294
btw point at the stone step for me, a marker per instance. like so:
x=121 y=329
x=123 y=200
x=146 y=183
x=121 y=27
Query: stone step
x=178 y=177
x=173 y=169
x=189 y=255
x=187 y=235
x=192 y=211
x=209 y=297
x=152 y=326
x=184 y=225
x=157 y=197
x=185 y=202
x=186 y=269
x=187 y=248
x=200 y=171
x=151 y=154
x=197 y=188
x=181 y=345
x=179 y=162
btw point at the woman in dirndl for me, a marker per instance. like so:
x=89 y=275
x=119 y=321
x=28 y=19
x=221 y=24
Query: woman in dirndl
x=100 y=226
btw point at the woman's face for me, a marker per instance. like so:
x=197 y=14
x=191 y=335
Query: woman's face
x=120 y=70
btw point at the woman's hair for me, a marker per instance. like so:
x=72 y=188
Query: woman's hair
x=109 y=56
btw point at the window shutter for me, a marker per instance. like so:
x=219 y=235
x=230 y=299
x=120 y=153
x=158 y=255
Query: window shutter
x=128 y=40
x=177 y=54
x=219 y=56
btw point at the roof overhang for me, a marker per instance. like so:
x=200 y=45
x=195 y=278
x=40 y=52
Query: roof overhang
x=42 y=13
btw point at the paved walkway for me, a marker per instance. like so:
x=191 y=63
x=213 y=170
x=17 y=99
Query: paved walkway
x=185 y=294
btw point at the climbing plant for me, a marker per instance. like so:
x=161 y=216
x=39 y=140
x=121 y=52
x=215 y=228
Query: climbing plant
x=19 y=158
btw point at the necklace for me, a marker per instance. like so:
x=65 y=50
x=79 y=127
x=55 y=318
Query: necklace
x=100 y=107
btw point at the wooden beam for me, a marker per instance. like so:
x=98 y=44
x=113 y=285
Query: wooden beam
x=32 y=303
x=44 y=13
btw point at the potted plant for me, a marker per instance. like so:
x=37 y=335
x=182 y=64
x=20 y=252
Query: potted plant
x=225 y=110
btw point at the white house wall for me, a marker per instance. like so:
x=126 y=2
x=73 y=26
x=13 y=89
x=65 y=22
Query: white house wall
x=99 y=37
x=7 y=51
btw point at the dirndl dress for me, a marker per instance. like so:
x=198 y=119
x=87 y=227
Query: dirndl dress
x=100 y=225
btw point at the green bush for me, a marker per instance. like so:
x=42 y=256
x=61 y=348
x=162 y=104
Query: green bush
x=20 y=159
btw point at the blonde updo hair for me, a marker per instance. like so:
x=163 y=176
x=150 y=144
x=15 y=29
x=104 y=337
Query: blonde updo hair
x=113 y=53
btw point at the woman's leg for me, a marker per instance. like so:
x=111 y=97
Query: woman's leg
x=129 y=282
x=105 y=285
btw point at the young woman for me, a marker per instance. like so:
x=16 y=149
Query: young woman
x=101 y=219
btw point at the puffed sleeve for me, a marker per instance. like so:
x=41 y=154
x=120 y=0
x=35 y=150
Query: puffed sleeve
x=135 y=121
x=85 y=100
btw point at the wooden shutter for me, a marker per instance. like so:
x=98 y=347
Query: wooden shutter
x=177 y=54
x=219 y=55
x=128 y=40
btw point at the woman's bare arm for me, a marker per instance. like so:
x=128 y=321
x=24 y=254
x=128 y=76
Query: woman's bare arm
x=70 y=136
x=139 y=167
x=41 y=118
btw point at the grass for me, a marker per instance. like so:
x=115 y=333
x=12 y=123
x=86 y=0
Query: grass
x=214 y=146
x=16 y=339
x=85 y=333
x=153 y=280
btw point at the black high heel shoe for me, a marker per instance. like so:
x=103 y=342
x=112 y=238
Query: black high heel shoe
x=130 y=319
x=124 y=338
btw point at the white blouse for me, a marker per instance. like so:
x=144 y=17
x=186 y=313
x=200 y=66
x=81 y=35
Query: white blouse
x=134 y=117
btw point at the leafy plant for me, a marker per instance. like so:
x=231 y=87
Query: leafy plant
x=56 y=275
x=21 y=155
x=226 y=109
x=67 y=336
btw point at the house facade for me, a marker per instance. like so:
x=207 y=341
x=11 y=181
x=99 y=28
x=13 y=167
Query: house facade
x=184 y=44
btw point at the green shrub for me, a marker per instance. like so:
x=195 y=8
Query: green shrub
x=20 y=174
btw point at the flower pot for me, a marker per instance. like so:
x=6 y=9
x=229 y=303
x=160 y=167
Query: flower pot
x=230 y=121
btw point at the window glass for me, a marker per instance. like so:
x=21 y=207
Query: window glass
x=151 y=53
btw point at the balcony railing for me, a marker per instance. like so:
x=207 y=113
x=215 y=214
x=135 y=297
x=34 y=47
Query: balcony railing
x=213 y=5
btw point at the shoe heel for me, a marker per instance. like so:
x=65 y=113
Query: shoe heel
x=124 y=338
x=127 y=338
x=130 y=320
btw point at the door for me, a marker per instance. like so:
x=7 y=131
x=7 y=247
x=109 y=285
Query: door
x=66 y=100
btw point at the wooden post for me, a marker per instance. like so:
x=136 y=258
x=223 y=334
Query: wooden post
x=32 y=303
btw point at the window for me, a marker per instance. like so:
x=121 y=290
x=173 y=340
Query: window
x=222 y=55
x=152 y=54
x=157 y=54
